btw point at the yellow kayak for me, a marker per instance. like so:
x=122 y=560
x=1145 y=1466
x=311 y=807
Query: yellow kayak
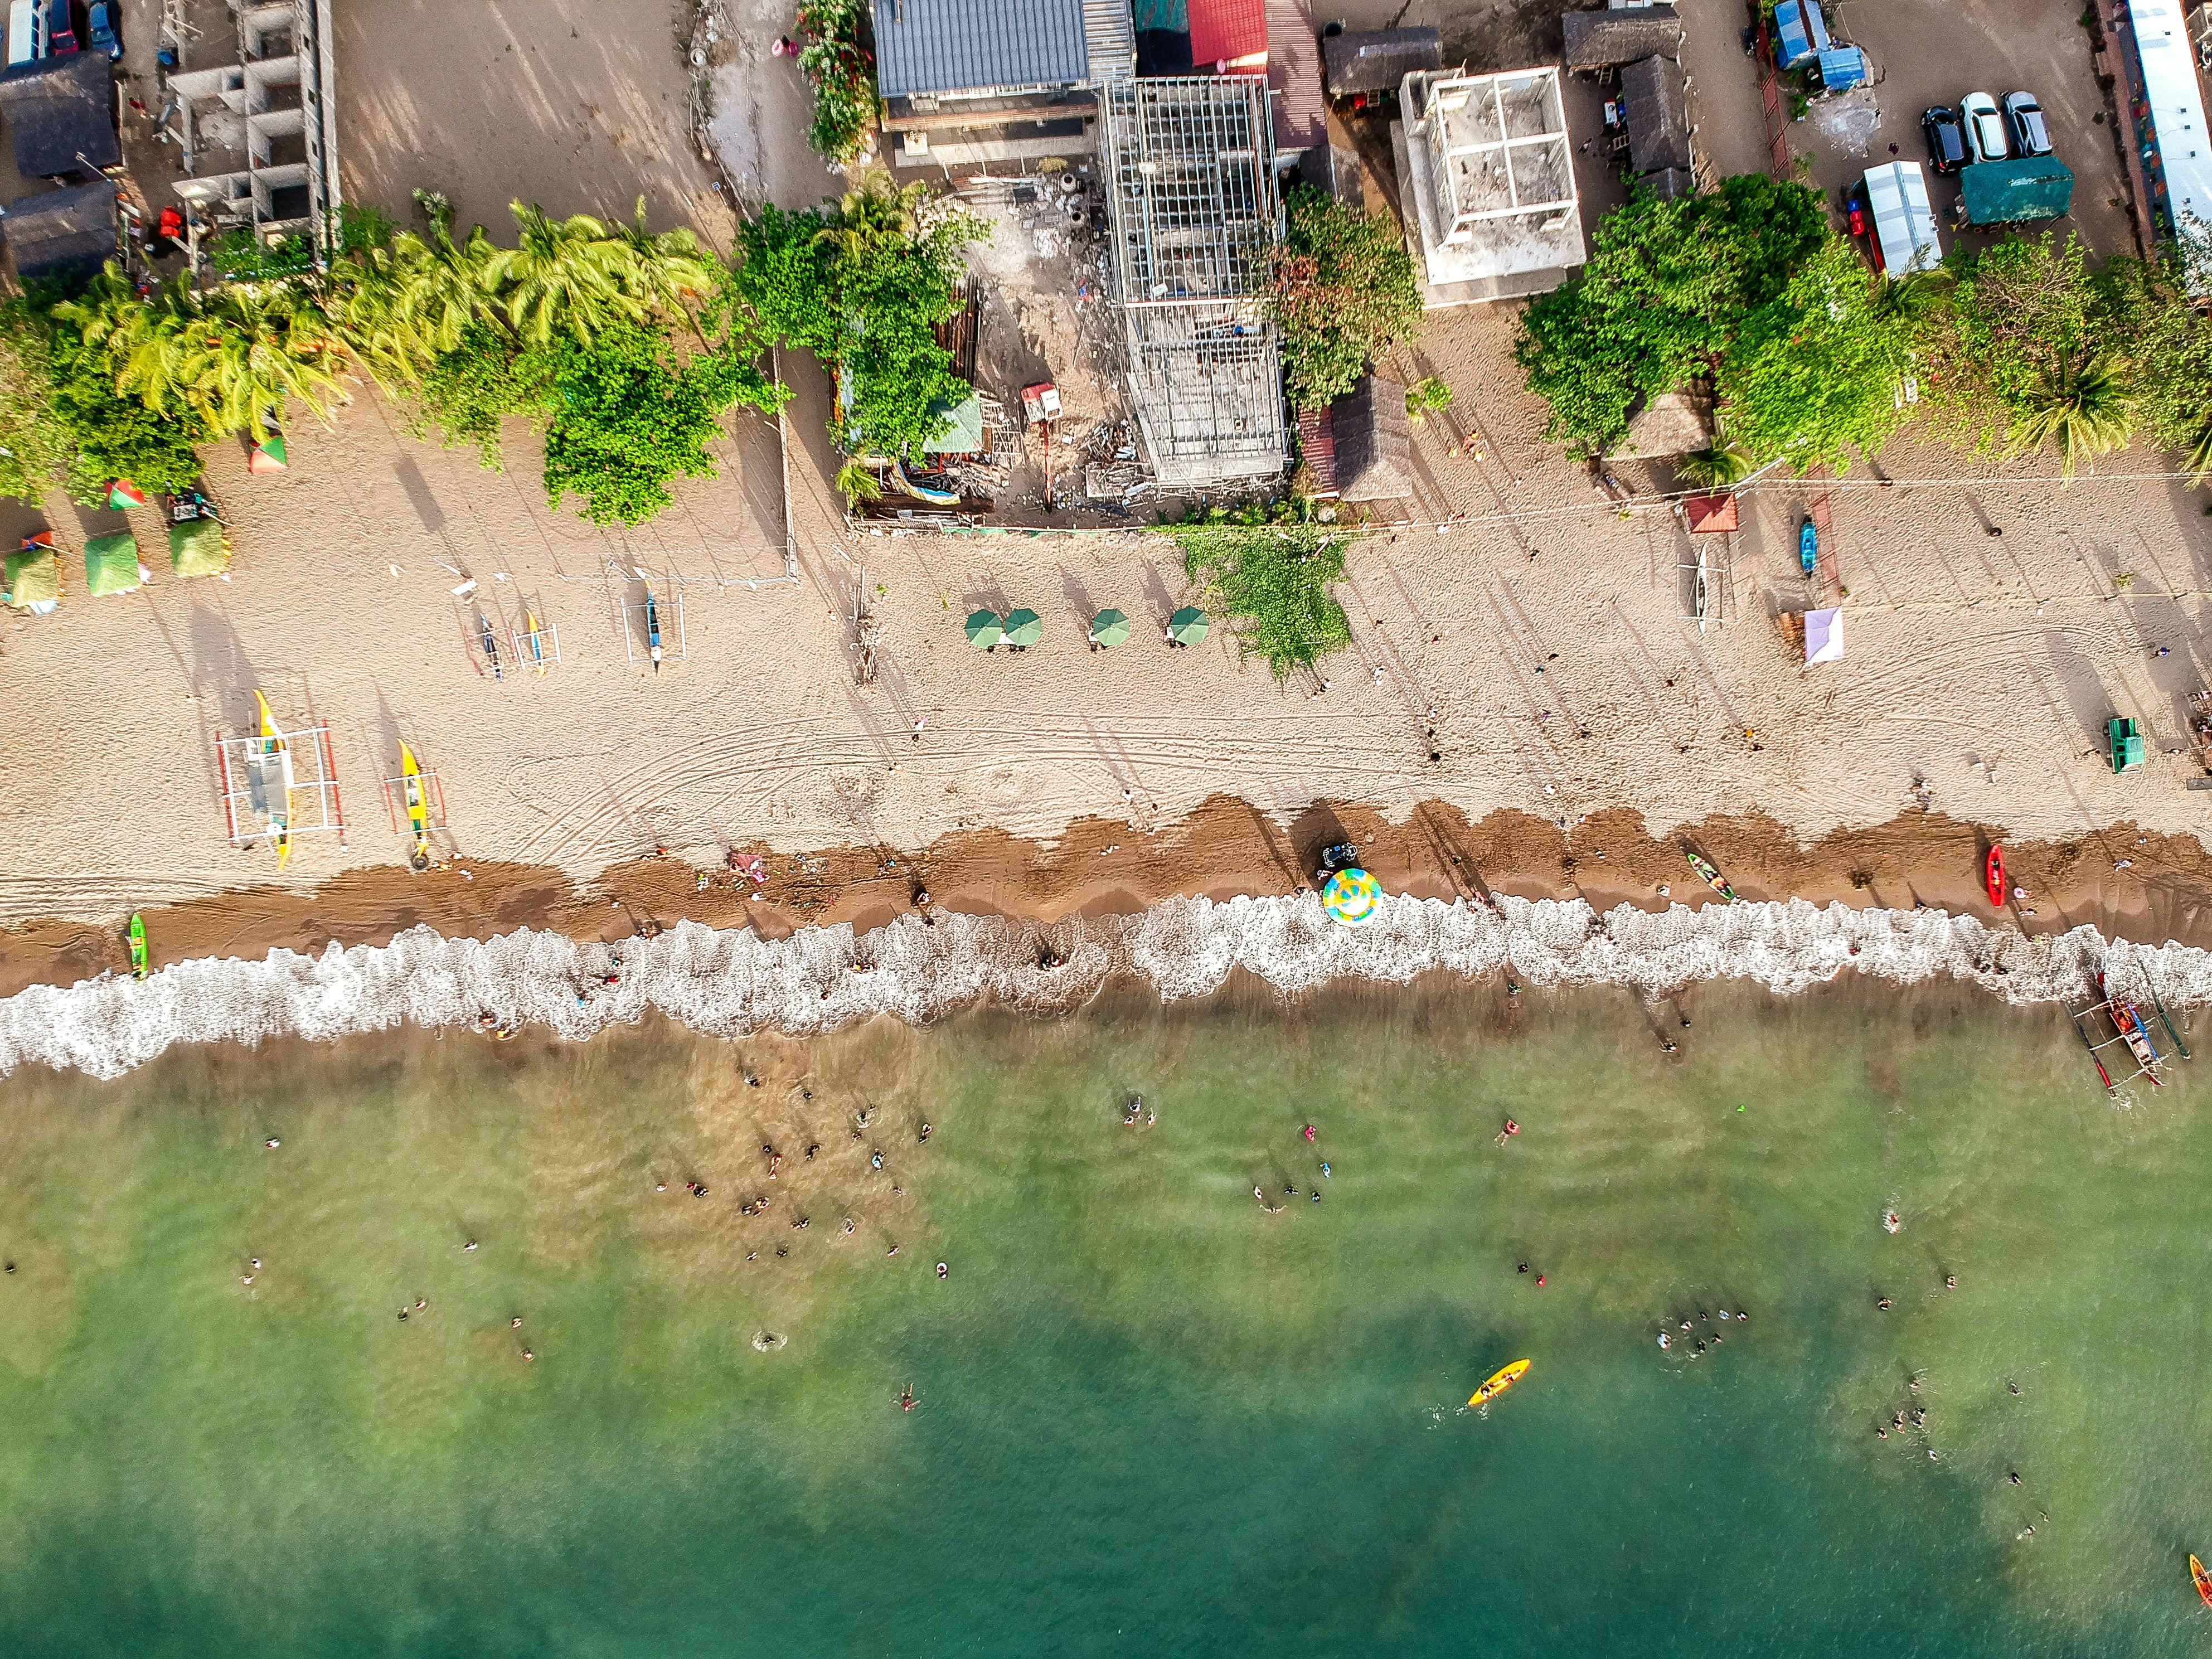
x=1498 y=1383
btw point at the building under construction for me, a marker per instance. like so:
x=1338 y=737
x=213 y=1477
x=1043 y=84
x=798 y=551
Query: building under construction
x=1191 y=163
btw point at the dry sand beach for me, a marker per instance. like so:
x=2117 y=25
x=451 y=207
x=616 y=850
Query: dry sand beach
x=1534 y=627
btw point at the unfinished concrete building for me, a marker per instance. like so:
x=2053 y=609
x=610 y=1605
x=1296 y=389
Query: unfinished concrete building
x=259 y=132
x=1191 y=165
x=1488 y=181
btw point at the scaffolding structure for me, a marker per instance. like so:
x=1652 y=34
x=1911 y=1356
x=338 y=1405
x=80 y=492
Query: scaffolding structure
x=1195 y=221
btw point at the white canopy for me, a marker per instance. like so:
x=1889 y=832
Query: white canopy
x=1824 y=637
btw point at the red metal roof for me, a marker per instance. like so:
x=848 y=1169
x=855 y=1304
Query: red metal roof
x=1223 y=31
x=1710 y=515
x=1317 y=449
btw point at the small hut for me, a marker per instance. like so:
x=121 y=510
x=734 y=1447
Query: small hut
x=1372 y=63
x=111 y=564
x=1374 y=442
x=1656 y=106
x=1614 y=36
x=32 y=580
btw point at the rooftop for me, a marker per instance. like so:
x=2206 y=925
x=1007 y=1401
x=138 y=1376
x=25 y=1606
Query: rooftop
x=969 y=45
x=1378 y=60
x=1191 y=162
x=1489 y=178
x=1657 y=99
x=1595 y=38
x=63 y=234
x=61 y=114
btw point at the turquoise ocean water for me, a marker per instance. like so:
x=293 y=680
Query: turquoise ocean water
x=1151 y=1416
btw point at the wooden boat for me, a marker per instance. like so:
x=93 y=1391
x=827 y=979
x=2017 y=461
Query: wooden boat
x=2136 y=1035
x=137 y=946
x=1498 y=1383
x=2200 y=1576
x=276 y=780
x=1703 y=866
x=418 y=807
x=536 y=644
x=490 y=643
x=1993 y=876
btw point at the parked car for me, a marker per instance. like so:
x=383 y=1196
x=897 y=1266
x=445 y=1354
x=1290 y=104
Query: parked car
x=1946 y=139
x=2024 y=116
x=1986 y=133
x=61 y=29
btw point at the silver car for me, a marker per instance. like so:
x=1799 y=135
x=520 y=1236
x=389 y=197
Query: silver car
x=1986 y=133
x=2024 y=117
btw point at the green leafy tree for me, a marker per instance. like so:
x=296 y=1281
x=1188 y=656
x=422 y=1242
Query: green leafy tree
x=32 y=440
x=1667 y=288
x=2021 y=312
x=1271 y=582
x=467 y=393
x=110 y=435
x=1816 y=373
x=2148 y=314
x=628 y=417
x=1344 y=291
x=842 y=73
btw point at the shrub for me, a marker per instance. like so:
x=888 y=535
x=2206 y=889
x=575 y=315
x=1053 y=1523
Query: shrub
x=1344 y=291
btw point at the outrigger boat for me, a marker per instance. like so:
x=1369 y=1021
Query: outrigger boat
x=2202 y=1577
x=653 y=628
x=418 y=807
x=137 y=946
x=276 y=761
x=1705 y=867
x=537 y=645
x=2130 y=1032
x=1498 y=1383
x=490 y=644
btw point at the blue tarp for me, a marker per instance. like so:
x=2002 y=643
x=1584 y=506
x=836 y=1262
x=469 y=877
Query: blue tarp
x=1801 y=33
x=1842 y=67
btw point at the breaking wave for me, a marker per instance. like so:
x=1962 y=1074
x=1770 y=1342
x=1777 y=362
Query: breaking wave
x=732 y=982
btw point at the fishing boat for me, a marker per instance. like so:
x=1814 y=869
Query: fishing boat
x=1703 y=866
x=1809 y=547
x=1498 y=1383
x=536 y=644
x=2133 y=1031
x=275 y=767
x=137 y=946
x=490 y=643
x=1993 y=876
x=418 y=807
x=2202 y=1577
x=653 y=628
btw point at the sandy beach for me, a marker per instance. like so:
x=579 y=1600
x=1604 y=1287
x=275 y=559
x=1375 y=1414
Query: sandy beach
x=1535 y=627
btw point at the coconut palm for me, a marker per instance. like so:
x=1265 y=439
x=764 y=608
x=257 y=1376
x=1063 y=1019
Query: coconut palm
x=2084 y=404
x=2198 y=458
x=562 y=274
x=664 y=270
x=857 y=482
x=441 y=286
x=1722 y=466
x=253 y=350
x=877 y=211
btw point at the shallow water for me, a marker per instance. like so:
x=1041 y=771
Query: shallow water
x=1151 y=1417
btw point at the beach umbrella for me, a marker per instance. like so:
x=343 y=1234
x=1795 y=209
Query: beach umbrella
x=122 y=493
x=267 y=454
x=1024 y=627
x=198 y=547
x=1351 y=896
x=1109 y=627
x=983 y=629
x=1187 y=626
x=111 y=564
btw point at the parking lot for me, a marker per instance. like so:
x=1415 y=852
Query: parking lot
x=1928 y=54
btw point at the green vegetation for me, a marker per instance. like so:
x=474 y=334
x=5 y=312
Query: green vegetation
x=1425 y=394
x=1344 y=292
x=1271 y=581
x=842 y=73
x=1811 y=357
x=863 y=286
x=31 y=435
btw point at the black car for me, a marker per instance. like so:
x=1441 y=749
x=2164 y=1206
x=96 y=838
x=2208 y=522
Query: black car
x=1947 y=138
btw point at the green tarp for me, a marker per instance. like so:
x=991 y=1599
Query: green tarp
x=32 y=578
x=2006 y=192
x=111 y=564
x=964 y=436
x=197 y=548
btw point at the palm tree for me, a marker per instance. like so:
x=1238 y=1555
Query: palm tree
x=253 y=350
x=877 y=211
x=564 y=273
x=2085 y=404
x=664 y=270
x=443 y=286
x=1722 y=466
x=857 y=482
x=2199 y=457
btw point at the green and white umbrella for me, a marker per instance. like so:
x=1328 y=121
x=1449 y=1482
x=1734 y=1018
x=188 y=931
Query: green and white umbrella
x=1109 y=627
x=983 y=629
x=1024 y=627
x=1187 y=626
x=1351 y=896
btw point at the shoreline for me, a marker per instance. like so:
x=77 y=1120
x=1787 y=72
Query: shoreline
x=828 y=948
x=1125 y=867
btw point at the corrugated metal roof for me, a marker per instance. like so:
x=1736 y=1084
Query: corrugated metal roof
x=1223 y=31
x=1801 y=33
x=965 y=45
x=1378 y=60
x=1294 y=75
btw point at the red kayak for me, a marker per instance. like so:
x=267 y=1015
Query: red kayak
x=1993 y=877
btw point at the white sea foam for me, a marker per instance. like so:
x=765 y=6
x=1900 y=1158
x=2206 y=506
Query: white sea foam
x=730 y=982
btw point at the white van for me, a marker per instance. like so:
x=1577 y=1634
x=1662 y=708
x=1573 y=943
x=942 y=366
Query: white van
x=27 y=31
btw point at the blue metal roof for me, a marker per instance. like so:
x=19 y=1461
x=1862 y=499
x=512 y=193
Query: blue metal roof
x=1801 y=33
x=966 y=45
x=1841 y=67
